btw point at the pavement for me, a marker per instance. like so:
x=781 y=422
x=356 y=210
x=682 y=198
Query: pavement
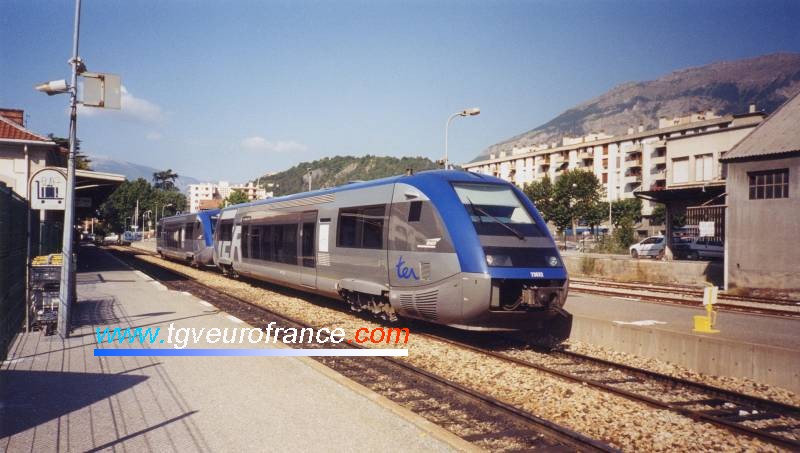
x=734 y=326
x=55 y=395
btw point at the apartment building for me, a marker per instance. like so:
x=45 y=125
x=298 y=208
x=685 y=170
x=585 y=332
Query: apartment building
x=209 y=195
x=681 y=152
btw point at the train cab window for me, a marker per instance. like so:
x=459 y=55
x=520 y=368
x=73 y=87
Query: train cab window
x=226 y=230
x=361 y=227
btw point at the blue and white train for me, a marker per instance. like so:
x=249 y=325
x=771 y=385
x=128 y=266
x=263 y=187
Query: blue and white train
x=188 y=237
x=448 y=247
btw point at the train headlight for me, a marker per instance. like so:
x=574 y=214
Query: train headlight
x=552 y=261
x=498 y=260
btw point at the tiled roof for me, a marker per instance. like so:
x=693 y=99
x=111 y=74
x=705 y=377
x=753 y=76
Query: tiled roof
x=778 y=134
x=10 y=130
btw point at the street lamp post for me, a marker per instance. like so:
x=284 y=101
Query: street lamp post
x=466 y=112
x=145 y=214
x=67 y=285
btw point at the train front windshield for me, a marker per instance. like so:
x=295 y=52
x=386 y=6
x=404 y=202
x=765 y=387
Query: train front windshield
x=508 y=232
x=496 y=210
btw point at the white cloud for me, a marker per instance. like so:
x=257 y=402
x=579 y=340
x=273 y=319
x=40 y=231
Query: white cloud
x=261 y=144
x=132 y=108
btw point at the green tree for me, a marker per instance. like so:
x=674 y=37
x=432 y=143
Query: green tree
x=627 y=210
x=624 y=234
x=236 y=197
x=82 y=161
x=659 y=215
x=118 y=210
x=596 y=214
x=541 y=194
x=576 y=197
x=165 y=179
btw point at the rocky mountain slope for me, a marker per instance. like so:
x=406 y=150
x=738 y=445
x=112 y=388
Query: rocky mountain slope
x=727 y=87
x=334 y=171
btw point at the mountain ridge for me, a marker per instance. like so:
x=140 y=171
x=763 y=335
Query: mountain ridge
x=338 y=170
x=725 y=87
x=132 y=170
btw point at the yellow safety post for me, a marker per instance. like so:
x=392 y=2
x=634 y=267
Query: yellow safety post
x=705 y=324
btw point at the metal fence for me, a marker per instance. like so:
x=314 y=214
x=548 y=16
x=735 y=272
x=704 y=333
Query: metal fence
x=713 y=213
x=13 y=244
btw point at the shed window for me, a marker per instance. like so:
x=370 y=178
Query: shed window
x=769 y=184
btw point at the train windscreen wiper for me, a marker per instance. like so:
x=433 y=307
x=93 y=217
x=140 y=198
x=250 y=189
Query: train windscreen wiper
x=519 y=235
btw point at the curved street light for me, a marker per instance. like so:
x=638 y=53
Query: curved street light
x=466 y=112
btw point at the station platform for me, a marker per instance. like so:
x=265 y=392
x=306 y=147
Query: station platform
x=765 y=348
x=55 y=395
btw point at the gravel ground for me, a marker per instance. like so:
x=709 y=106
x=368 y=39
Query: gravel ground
x=626 y=424
x=742 y=385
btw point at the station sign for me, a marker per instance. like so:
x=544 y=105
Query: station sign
x=706 y=229
x=48 y=190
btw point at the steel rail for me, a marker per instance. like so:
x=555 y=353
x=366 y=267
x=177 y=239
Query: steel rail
x=545 y=427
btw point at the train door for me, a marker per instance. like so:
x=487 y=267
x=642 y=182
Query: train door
x=308 y=253
x=225 y=236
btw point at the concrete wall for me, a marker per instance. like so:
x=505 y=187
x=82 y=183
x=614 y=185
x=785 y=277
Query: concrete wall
x=12 y=165
x=693 y=145
x=624 y=269
x=705 y=354
x=762 y=236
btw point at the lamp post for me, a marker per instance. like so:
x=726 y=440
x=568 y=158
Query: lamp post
x=466 y=112
x=67 y=285
x=308 y=171
x=145 y=214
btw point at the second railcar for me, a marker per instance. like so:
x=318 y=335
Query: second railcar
x=188 y=237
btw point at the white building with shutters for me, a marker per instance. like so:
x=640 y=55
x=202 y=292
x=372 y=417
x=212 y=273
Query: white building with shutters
x=681 y=152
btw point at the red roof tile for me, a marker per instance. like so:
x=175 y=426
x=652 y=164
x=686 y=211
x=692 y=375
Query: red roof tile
x=9 y=130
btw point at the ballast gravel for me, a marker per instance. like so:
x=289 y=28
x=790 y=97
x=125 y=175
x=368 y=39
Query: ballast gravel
x=625 y=424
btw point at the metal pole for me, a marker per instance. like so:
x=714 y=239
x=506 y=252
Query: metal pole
x=446 y=127
x=67 y=269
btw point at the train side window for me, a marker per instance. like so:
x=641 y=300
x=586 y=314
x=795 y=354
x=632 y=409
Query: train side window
x=309 y=260
x=415 y=211
x=361 y=227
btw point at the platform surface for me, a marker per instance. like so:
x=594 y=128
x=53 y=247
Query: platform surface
x=734 y=326
x=55 y=395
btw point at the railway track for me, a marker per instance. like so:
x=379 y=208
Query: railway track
x=770 y=421
x=684 y=295
x=480 y=419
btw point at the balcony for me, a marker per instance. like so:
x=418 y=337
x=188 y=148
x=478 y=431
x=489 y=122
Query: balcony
x=633 y=163
x=633 y=179
x=586 y=155
x=637 y=148
x=659 y=174
x=662 y=159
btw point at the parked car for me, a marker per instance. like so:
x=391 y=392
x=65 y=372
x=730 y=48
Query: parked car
x=700 y=248
x=652 y=246
x=112 y=238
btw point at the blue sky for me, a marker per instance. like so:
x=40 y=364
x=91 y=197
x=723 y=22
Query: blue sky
x=229 y=90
